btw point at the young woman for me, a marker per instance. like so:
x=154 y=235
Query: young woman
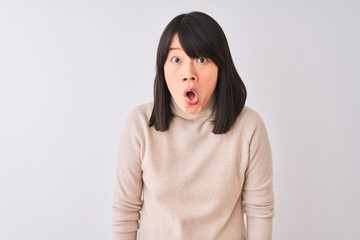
x=194 y=160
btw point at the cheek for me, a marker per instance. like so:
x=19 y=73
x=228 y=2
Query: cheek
x=214 y=78
x=211 y=79
x=171 y=82
x=171 y=75
x=167 y=76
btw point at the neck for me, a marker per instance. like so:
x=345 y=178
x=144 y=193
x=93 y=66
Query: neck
x=204 y=114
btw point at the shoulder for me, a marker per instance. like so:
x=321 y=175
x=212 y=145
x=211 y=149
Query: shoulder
x=140 y=113
x=250 y=116
x=248 y=122
x=146 y=109
x=137 y=120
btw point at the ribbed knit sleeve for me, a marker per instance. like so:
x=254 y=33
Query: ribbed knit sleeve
x=128 y=183
x=258 y=197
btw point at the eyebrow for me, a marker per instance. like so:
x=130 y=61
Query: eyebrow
x=172 y=48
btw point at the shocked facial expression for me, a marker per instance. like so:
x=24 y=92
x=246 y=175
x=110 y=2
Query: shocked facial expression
x=191 y=81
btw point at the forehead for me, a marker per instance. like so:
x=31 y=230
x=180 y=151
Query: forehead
x=190 y=44
x=175 y=43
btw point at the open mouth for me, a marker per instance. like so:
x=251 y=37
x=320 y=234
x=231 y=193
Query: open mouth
x=191 y=97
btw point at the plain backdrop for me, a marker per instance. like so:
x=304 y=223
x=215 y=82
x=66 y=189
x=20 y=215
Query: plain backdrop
x=70 y=72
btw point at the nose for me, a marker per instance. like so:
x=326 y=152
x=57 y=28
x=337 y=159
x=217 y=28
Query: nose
x=189 y=71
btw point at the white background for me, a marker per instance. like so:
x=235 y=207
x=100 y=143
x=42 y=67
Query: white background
x=70 y=72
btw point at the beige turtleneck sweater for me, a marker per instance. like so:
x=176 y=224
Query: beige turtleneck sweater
x=196 y=185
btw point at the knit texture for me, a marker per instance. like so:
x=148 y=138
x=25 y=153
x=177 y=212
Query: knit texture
x=191 y=184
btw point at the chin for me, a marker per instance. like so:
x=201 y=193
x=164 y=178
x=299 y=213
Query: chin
x=193 y=110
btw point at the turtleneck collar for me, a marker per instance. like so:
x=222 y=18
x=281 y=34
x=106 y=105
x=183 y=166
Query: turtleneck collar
x=204 y=114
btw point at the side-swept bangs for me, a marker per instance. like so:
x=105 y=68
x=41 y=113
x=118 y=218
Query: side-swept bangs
x=199 y=36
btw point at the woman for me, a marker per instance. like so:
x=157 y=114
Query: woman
x=199 y=156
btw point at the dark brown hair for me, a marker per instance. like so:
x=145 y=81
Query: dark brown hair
x=200 y=36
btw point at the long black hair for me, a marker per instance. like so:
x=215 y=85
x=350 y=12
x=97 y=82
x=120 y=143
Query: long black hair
x=200 y=36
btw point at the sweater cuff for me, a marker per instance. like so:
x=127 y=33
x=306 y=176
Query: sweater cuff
x=259 y=228
x=124 y=236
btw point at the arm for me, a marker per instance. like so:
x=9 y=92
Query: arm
x=128 y=183
x=258 y=197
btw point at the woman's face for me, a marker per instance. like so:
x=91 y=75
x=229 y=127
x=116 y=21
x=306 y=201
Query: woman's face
x=191 y=81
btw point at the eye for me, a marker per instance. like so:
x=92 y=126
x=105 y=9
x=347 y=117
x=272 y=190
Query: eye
x=175 y=59
x=202 y=60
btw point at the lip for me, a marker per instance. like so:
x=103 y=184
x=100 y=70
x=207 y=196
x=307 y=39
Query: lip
x=189 y=101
